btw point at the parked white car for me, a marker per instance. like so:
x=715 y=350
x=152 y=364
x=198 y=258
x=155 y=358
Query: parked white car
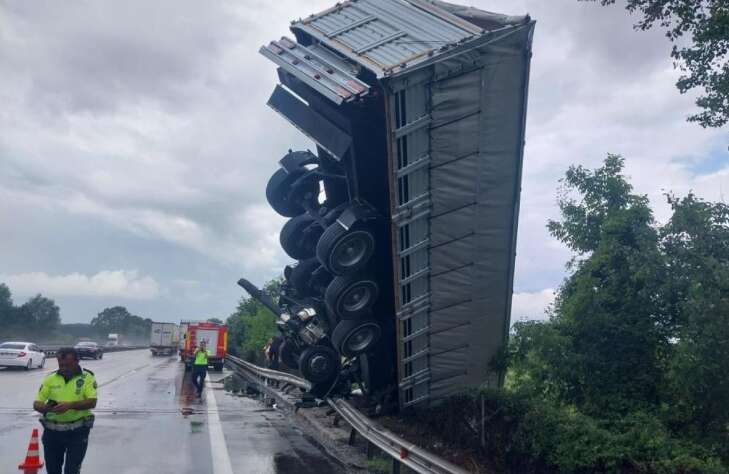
x=21 y=354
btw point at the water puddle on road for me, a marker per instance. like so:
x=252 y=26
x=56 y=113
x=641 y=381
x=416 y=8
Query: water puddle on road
x=190 y=405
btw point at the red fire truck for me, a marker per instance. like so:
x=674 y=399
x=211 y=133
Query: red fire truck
x=215 y=337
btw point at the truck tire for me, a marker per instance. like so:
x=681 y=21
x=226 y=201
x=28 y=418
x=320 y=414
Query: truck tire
x=343 y=251
x=301 y=276
x=356 y=336
x=218 y=367
x=299 y=237
x=319 y=364
x=289 y=355
x=286 y=200
x=352 y=296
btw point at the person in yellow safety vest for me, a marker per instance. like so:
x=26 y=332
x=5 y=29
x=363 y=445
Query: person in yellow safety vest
x=200 y=367
x=65 y=399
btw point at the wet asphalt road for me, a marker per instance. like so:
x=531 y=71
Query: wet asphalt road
x=149 y=421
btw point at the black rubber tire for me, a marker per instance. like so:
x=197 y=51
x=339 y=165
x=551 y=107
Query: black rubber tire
x=351 y=296
x=285 y=200
x=300 y=277
x=289 y=355
x=218 y=367
x=43 y=363
x=319 y=364
x=299 y=237
x=343 y=251
x=29 y=365
x=356 y=336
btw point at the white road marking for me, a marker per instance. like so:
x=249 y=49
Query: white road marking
x=218 y=448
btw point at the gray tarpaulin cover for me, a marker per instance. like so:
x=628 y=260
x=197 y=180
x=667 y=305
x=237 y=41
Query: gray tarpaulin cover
x=476 y=145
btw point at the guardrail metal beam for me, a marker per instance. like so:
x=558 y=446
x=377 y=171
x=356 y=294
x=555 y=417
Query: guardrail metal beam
x=399 y=449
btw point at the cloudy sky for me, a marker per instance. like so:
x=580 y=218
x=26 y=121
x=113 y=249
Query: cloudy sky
x=135 y=145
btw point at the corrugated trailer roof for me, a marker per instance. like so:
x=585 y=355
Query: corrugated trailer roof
x=385 y=35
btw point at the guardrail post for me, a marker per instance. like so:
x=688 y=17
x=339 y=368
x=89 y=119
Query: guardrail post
x=395 y=466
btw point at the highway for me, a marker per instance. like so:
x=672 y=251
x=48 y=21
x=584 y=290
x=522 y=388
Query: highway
x=149 y=421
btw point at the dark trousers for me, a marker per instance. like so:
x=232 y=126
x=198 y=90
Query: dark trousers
x=198 y=377
x=72 y=444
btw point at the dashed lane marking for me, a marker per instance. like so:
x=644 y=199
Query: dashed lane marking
x=218 y=448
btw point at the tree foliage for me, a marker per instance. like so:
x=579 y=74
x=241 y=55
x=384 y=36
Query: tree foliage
x=39 y=316
x=118 y=319
x=702 y=57
x=40 y=312
x=252 y=324
x=640 y=328
x=605 y=314
x=696 y=242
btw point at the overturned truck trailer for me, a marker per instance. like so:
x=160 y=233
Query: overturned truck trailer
x=417 y=109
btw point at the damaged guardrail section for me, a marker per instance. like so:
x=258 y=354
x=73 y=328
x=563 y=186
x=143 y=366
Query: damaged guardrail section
x=400 y=450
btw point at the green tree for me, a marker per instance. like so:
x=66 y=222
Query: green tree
x=703 y=57
x=634 y=353
x=41 y=314
x=252 y=324
x=606 y=316
x=696 y=243
x=6 y=304
x=118 y=319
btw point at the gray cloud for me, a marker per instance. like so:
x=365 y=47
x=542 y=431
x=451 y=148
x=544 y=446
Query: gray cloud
x=135 y=136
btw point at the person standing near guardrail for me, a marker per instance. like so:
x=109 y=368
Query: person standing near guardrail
x=65 y=399
x=200 y=367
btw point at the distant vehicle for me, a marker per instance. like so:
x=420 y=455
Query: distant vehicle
x=164 y=338
x=90 y=350
x=216 y=338
x=21 y=354
x=113 y=340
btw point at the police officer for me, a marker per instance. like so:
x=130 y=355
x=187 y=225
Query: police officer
x=65 y=399
x=200 y=367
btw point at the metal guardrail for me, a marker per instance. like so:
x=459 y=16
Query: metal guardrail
x=400 y=450
x=403 y=451
x=268 y=373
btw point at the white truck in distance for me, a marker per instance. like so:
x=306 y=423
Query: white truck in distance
x=164 y=338
x=112 y=340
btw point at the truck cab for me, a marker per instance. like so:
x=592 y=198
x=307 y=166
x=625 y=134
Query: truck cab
x=216 y=339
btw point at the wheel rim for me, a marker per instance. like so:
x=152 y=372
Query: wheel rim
x=308 y=191
x=357 y=297
x=361 y=338
x=319 y=365
x=351 y=250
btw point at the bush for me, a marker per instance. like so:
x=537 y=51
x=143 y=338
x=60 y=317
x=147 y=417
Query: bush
x=524 y=434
